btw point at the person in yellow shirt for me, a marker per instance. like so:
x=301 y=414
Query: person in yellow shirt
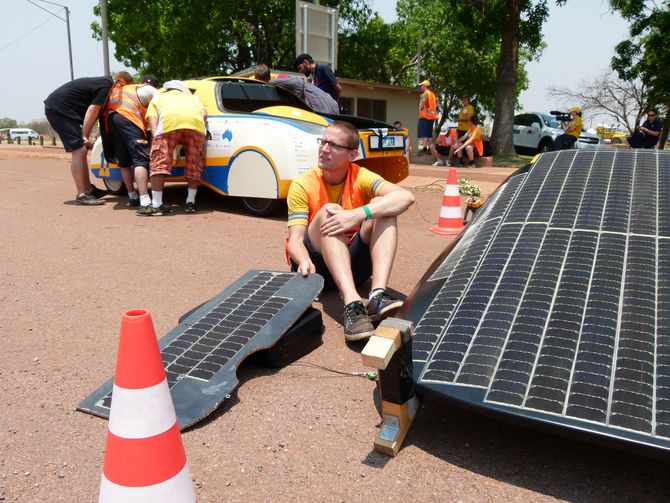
x=176 y=116
x=342 y=224
x=471 y=142
x=572 y=130
x=427 y=117
x=464 y=115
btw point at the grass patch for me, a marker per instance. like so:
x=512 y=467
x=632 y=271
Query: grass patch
x=511 y=160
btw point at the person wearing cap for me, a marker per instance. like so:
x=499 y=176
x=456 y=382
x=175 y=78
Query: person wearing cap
x=464 y=114
x=176 y=116
x=572 y=130
x=150 y=79
x=342 y=224
x=648 y=134
x=318 y=100
x=72 y=110
x=427 y=117
x=324 y=78
x=125 y=122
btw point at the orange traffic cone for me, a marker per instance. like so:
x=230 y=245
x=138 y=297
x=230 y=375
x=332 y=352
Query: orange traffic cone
x=451 y=215
x=144 y=456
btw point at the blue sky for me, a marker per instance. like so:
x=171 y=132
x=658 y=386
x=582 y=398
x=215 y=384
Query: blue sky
x=33 y=49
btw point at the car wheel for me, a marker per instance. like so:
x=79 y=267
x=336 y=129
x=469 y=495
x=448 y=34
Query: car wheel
x=260 y=206
x=545 y=146
x=115 y=187
x=616 y=141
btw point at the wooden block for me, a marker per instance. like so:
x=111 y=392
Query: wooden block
x=397 y=418
x=378 y=352
x=484 y=162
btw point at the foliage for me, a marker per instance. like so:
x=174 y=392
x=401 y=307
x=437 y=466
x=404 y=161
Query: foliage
x=181 y=39
x=6 y=122
x=646 y=54
x=467 y=188
x=622 y=100
x=42 y=127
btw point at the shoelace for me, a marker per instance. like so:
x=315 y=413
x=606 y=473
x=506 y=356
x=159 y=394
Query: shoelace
x=356 y=308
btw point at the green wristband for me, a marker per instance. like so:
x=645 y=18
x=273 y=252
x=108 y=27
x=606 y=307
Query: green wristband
x=368 y=213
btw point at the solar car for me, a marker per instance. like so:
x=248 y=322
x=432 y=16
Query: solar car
x=263 y=137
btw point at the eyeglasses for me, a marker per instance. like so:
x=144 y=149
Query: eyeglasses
x=651 y=115
x=333 y=146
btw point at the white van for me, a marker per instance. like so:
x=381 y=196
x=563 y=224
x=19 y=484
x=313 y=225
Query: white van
x=22 y=133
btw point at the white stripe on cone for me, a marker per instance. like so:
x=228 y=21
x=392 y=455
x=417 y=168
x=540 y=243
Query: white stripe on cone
x=141 y=413
x=451 y=190
x=450 y=212
x=178 y=489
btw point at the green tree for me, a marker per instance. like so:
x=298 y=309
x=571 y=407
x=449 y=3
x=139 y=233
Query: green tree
x=646 y=54
x=6 y=122
x=181 y=38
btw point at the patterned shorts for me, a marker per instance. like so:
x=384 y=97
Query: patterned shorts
x=163 y=146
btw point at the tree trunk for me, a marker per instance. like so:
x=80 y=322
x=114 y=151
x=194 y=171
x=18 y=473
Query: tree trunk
x=507 y=75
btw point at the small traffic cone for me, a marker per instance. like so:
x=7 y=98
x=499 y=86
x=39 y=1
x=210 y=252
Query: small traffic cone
x=144 y=456
x=451 y=215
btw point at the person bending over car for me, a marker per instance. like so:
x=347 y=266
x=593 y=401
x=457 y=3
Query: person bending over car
x=72 y=110
x=648 y=134
x=175 y=116
x=126 y=123
x=572 y=130
x=342 y=224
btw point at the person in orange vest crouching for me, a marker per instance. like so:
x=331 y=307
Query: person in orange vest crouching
x=471 y=142
x=342 y=224
x=427 y=117
x=126 y=123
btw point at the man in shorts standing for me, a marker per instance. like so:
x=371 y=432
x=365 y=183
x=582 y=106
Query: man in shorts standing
x=427 y=117
x=72 y=110
x=126 y=122
x=175 y=116
x=342 y=224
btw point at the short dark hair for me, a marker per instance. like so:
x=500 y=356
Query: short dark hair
x=653 y=110
x=350 y=130
x=475 y=120
x=397 y=124
x=300 y=58
x=125 y=76
x=262 y=72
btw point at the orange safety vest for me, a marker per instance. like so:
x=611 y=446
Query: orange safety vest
x=317 y=196
x=479 y=144
x=124 y=101
x=429 y=111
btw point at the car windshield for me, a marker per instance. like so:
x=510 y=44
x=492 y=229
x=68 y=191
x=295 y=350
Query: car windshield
x=551 y=121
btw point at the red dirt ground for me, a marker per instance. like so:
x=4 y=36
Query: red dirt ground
x=295 y=434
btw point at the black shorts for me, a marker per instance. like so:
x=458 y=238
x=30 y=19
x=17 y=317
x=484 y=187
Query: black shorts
x=461 y=134
x=361 y=262
x=442 y=150
x=69 y=130
x=130 y=143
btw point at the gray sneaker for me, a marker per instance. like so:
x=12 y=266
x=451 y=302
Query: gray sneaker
x=150 y=211
x=357 y=325
x=381 y=306
x=87 y=199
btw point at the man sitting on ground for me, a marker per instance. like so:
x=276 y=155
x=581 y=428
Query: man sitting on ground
x=342 y=223
x=648 y=134
x=472 y=143
x=572 y=130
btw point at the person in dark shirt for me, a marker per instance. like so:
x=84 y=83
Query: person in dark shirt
x=72 y=110
x=324 y=78
x=648 y=134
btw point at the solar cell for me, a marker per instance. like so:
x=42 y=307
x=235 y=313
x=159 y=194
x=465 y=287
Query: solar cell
x=554 y=306
x=202 y=353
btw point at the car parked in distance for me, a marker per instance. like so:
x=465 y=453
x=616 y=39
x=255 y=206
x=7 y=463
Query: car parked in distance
x=536 y=132
x=611 y=135
x=22 y=133
x=261 y=137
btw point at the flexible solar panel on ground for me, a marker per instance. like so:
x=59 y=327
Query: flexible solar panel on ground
x=554 y=306
x=202 y=353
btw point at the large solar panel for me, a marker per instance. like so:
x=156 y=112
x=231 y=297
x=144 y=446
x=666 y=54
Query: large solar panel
x=202 y=353
x=554 y=306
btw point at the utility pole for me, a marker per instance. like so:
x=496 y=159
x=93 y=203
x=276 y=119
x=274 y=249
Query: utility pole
x=105 y=39
x=67 y=22
x=417 y=78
